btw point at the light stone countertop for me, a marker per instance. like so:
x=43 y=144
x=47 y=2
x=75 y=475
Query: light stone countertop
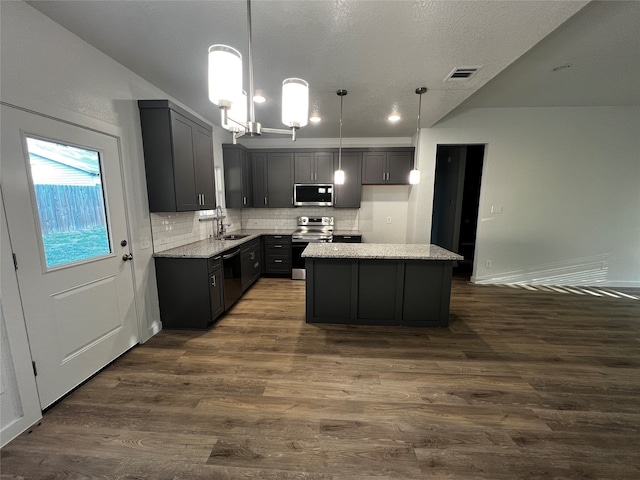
x=210 y=247
x=379 y=251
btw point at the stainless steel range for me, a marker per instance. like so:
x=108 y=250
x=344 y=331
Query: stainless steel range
x=310 y=230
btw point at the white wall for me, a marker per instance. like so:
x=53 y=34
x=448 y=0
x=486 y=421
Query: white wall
x=568 y=180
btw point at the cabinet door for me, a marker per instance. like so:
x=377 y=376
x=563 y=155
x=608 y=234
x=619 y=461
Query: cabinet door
x=323 y=167
x=233 y=176
x=280 y=180
x=205 y=182
x=374 y=168
x=216 y=293
x=303 y=168
x=247 y=180
x=349 y=194
x=399 y=165
x=259 y=162
x=183 y=167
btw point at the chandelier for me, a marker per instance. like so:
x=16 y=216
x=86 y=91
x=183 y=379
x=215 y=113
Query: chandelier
x=226 y=91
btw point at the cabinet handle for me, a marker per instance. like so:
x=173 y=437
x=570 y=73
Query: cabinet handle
x=278 y=261
x=277 y=236
x=346 y=236
x=256 y=265
x=265 y=200
x=277 y=246
x=244 y=200
x=252 y=256
x=213 y=280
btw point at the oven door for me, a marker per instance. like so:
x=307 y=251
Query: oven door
x=297 y=262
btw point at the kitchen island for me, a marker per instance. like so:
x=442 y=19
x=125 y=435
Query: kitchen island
x=378 y=284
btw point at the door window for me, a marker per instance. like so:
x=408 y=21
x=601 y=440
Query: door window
x=67 y=186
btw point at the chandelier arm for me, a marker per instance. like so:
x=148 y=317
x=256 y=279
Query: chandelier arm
x=280 y=131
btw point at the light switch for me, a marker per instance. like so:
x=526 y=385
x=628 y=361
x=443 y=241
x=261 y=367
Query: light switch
x=496 y=208
x=388 y=219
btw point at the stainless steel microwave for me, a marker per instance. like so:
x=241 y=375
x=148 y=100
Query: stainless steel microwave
x=316 y=195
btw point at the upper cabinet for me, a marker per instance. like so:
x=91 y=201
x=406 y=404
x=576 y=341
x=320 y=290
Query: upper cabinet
x=313 y=167
x=349 y=194
x=178 y=157
x=272 y=179
x=390 y=166
x=238 y=176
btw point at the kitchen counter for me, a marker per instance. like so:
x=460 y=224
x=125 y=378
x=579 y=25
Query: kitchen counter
x=378 y=284
x=379 y=251
x=211 y=246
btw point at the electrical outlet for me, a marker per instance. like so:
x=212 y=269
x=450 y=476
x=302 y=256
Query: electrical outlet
x=388 y=219
x=145 y=243
x=496 y=208
x=488 y=264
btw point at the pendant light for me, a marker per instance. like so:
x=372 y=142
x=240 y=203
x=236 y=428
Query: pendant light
x=414 y=175
x=338 y=176
x=225 y=91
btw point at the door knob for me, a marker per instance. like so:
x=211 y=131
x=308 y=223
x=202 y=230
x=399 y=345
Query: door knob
x=127 y=256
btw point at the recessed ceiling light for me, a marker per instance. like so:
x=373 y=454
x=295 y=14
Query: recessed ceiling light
x=259 y=98
x=394 y=117
x=315 y=119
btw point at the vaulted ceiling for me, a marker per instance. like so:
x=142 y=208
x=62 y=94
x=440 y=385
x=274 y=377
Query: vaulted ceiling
x=380 y=51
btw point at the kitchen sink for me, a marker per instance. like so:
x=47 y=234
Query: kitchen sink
x=233 y=237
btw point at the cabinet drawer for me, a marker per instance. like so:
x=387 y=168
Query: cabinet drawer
x=278 y=250
x=347 y=239
x=275 y=264
x=277 y=239
x=214 y=263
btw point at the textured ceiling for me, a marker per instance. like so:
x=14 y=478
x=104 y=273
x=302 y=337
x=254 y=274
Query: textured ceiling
x=380 y=51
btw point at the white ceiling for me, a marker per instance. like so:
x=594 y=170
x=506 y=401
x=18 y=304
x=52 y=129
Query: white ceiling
x=378 y=50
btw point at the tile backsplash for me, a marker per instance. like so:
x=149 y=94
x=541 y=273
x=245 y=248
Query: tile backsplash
x=172 y=230
x=345 y=218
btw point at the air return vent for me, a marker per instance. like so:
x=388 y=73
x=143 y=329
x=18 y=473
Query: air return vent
x=462 y=73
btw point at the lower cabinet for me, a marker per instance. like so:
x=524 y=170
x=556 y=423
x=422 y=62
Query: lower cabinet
x=251 y=261
x=277 y=254
x=378 y=292
x=190 y=291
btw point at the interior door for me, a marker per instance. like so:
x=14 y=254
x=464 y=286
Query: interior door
x=447 y=196
x=63 y=191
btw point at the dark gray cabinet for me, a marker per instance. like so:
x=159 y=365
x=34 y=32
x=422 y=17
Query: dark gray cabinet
x=251 y=262
x=313 y=167
x=272 y=179
x=378 y=292
x=277 y=254
x=178 y=154
x=349 y=194
x=238 y=176
x=387 y=167
x=190 y=291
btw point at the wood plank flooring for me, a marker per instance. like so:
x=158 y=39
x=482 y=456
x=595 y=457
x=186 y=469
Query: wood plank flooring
x=522 y=385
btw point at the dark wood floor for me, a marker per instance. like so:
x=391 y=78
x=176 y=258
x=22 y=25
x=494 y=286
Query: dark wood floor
x=522 y=385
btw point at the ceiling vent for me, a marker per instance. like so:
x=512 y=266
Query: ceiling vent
x=462 y=73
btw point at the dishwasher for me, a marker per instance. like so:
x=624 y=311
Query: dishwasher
x=232 y=269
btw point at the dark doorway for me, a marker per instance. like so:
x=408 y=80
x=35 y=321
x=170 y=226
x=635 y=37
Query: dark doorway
x=456 y=199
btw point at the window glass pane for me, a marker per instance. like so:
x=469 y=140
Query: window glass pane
x=68 y=187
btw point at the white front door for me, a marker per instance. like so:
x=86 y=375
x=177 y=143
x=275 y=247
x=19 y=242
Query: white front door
x=63 y=191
